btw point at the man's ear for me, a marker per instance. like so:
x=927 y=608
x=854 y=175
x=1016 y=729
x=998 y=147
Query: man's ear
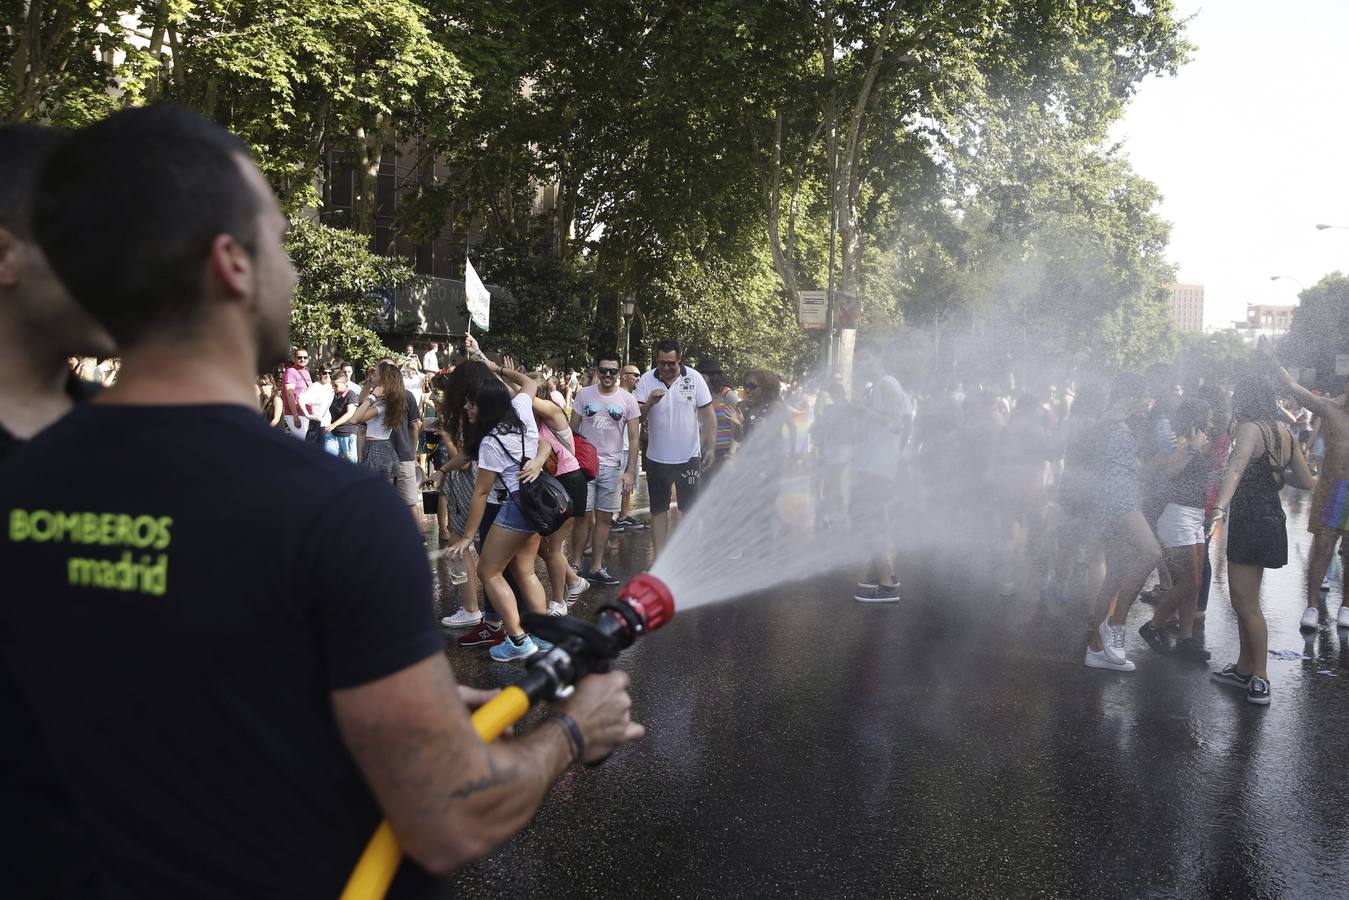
x=11 y=259
x=230 y=267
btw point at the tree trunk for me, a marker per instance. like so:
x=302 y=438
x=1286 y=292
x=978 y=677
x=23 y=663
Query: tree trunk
x=371 y=142
x=848 y=184
x=771 y=185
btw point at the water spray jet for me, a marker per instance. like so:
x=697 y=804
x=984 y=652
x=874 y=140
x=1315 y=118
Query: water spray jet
x=579 y=649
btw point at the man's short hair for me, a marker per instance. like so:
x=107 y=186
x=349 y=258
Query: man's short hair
x=127 y=209
x=668 y=346
x=612 y=357
x=23 y=149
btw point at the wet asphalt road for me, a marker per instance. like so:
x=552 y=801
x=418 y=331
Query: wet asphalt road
x=804 y=745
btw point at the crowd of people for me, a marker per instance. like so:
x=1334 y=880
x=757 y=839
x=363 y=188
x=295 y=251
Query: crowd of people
x=259 y=646
x=1093 y=485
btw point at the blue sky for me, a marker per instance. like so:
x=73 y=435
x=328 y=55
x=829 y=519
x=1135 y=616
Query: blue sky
x=1249 y=144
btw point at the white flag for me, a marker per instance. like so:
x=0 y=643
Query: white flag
x=476 y=295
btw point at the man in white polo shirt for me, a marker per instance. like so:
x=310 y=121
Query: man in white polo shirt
x=681 y=434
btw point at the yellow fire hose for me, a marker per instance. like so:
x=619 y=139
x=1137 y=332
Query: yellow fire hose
x=379 y=862
x=579 y=648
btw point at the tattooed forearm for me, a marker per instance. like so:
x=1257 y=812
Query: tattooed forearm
x=496 y=776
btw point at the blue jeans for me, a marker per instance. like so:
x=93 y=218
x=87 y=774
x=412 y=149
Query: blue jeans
x=343 y=445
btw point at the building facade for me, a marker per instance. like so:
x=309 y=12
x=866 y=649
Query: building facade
x=1187 y=307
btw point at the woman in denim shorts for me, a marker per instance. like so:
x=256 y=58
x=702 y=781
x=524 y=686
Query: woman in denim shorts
x=503 y=437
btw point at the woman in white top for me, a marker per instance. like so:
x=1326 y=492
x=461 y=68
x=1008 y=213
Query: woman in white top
x=383 y=409
x=504 y=438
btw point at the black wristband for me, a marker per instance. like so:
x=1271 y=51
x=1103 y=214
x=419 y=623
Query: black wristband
x=578 y=744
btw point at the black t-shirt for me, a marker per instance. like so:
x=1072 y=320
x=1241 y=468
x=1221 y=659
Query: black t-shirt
x=401 y=437
x=43 y=850
x=176 y=624
x=338 y=409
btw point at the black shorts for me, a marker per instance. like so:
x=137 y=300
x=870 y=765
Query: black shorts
x=575 y=482
x=661 y=477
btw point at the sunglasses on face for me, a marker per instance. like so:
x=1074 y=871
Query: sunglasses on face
x=633 y=374
x=301 y=359
x=603 y=371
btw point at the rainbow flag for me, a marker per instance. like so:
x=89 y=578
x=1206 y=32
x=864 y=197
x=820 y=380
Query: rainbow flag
x=1335 y=511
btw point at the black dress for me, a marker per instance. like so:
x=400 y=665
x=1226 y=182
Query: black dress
x=1257 y=534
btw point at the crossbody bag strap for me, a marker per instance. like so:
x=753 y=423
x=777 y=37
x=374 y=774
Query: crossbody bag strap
x=497 y=437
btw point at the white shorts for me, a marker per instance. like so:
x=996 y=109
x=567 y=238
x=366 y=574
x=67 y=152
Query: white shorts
x=1180 y=526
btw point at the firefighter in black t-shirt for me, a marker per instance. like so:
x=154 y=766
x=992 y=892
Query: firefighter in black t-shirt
x=234 y=712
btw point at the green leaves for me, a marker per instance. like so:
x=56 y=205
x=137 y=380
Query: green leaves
x=337 y=298
x=1320 y=330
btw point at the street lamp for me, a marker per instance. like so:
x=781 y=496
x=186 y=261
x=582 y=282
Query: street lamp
x=1340 y=227
x=629 y=309
x=1289 y=277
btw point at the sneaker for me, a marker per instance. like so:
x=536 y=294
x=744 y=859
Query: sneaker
x=577 y=590
x=616 y=528
x=1342 y=620
x=1188 y=649
x=865 y=585
x=1325 y=585
x=600 y=576
x=1007 y=590
x=1112 y=641
x=462 y=619
x=541 y=645
x=879 y=594
x=1230 y=676
x=627 y=522
x=509 y=651
x=1311 y=619
x=1258 y=692
x=1157 y=638
x=1099 y=659
x=557 y=609
x=485 y=635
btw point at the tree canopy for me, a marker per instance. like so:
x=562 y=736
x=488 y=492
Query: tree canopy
x=681 y=154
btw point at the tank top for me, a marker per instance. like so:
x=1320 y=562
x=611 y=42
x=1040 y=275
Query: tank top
x=566 y=460
x=1262 y=479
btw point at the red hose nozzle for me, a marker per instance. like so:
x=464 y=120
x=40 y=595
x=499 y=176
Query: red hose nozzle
x=648 y=596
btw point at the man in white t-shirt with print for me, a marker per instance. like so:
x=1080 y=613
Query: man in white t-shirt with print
x=681 y=434
x=605 y=414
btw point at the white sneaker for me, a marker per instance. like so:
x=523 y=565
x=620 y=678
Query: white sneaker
x=462 y=619
x=1099 y=659
x=557 y=609
x=1342 y=620
x=1112 y=642
x=1311 y=618
x=577 y=590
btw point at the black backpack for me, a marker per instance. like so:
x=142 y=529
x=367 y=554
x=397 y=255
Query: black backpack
x=544 y=501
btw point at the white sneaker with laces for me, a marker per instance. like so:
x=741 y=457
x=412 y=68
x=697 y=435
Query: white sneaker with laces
x=1099 y=659
x=1342 y=620
x=557 y=609
x=1311 y=618
x=577 y=590
x=1112 y=642
x=462 y=619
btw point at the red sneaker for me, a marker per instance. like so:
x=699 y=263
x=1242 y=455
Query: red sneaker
x=485 y=635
